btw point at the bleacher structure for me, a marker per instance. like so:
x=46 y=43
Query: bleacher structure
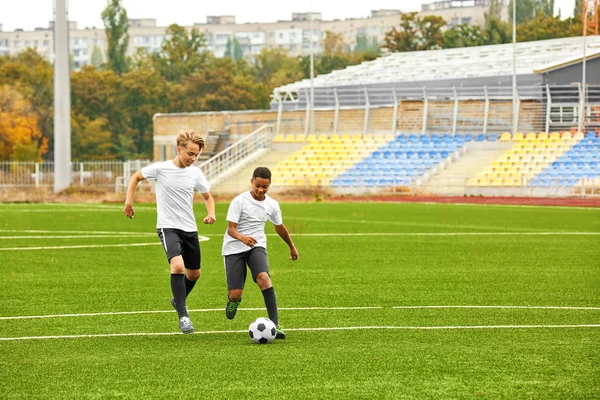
x=445 y=122
x=534 y=162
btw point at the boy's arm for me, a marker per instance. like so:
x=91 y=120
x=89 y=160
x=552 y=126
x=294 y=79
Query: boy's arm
x=285 y=235
x=133 y=183
x=209 y=202
x=234 y=233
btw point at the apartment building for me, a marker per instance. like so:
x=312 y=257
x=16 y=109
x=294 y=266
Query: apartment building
x=299 y=36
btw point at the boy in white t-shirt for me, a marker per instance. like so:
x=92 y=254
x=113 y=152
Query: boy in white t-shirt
x=176 y=181
x=245 y=243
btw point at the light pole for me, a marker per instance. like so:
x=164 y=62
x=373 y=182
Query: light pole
x=62 y=99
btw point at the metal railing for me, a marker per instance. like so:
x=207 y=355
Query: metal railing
x=441 y=109
x=99 y=174
x=241 y=152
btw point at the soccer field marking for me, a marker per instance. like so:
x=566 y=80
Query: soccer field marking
x=318 y=329
x=404 y=223
x=16 y=317
x=71 y=236
x=77 y=232
x=348 y=234
x=172 y=311
x=502 y=307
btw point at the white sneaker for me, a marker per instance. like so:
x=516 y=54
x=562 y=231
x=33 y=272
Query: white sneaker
x=186 y=325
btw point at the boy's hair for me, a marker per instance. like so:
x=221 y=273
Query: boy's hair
x=189 y=135
x=262 y=172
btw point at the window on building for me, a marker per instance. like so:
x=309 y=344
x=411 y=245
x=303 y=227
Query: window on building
x=17 y=44
x=466 y=20
x=46 y=43
x=293 y=47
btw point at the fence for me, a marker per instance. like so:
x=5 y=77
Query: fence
x=445 y=109
x=99 y=174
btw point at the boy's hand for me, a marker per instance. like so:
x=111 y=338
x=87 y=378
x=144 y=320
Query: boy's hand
x=209 y=219
x=293 y=254
x=128 y=211
x=248 y=241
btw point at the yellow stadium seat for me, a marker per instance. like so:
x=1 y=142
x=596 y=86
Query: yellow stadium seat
x=567 y=136
x=357 y=137
x=289 y=138
x=578 y=135
x=542 y=135
x=531 y=136
x=518 y=136
x=345 y=136
x=278 y=138
x=505 y=137
x=555 y=135
x=323 y=138
x=311 y=138
x=300 y=138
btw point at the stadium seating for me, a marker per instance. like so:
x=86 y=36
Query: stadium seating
x=401 y=161
x=530 y=154
x=581 y=162
x=324 y=157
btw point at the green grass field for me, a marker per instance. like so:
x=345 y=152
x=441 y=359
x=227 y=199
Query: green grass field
x=386 y=301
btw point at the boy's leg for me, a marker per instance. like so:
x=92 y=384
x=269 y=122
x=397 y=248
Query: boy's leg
x=171 y=242
x=235 y=272
x=259 y=266
x=192 y=258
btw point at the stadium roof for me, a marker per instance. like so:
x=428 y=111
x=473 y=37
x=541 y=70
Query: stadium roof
x=462 y=63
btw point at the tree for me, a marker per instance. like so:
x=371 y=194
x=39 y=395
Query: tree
x=333 y=43
x=32 y=76
x=273 y=68
x=238 y=53
x=181 y=54
x=464 y=35
x=91 y=139
x=545 y=27
x=578 y=8
x=416 y=33
x=116 y=27
x=97 y=58
x=529 y=9
x=20 y=135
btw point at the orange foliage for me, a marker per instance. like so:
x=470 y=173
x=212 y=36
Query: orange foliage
x=20 y=135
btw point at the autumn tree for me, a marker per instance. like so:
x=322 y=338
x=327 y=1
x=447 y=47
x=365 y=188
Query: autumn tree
x=116 y=26
x=464 y=35
x=32 y=76
x=20 y=135
x=333 y=43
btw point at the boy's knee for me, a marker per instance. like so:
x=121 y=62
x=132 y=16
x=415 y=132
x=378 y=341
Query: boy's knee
x=235 y=295
x=263 y=279
x=193 y=274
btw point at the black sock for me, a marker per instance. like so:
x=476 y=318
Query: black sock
x=189 y=285
x=178 y=289
x=271 y=303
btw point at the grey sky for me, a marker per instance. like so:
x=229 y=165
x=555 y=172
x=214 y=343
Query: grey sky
x=29 y=14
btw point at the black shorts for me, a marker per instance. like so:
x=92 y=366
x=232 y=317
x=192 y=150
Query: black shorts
x=235 y=266
x=176 y=242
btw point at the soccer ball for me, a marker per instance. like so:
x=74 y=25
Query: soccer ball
x=262 y=331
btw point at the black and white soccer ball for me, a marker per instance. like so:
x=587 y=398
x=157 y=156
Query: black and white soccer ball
x=262 y=330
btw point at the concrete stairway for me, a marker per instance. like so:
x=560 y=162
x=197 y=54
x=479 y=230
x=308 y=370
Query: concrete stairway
x=240 y=180
x=452 y=180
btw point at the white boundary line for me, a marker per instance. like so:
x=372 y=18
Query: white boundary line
x=340 y=328
x=504 y=307
x=298 y=309
x=172 y=311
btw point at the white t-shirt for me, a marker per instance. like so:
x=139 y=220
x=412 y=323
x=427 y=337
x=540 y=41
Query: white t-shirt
x=250 y=216
x=175 y=194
